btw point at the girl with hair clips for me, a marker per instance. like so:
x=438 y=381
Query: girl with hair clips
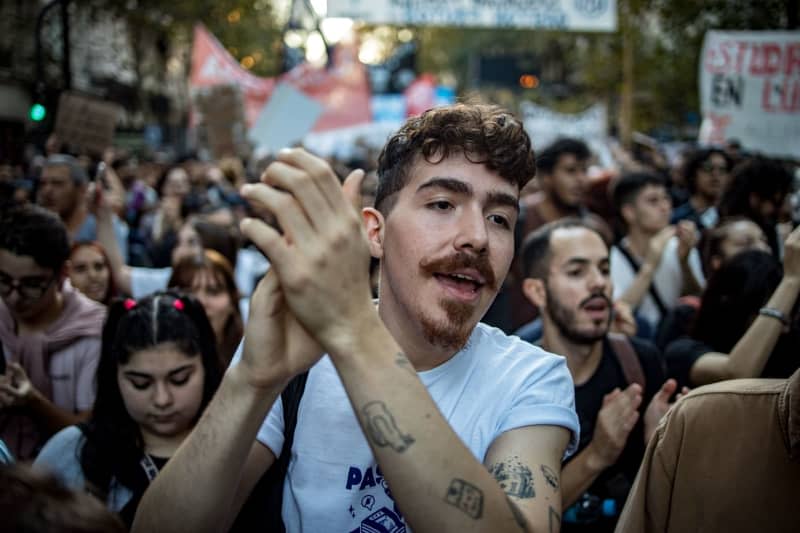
x=158 y=370
x=209 y=278
x=90 y=272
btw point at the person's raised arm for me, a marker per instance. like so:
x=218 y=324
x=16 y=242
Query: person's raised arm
x=686 y=232
x=749 y=356
x=634 y=294
x=205 y=483
x=322 y=262
x=107 y=238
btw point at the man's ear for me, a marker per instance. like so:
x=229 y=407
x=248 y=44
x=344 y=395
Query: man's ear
x=533 y=289
x=628 y=214
x=375 y=225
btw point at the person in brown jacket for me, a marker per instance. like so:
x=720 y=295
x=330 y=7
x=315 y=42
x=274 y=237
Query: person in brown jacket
x=725 y=458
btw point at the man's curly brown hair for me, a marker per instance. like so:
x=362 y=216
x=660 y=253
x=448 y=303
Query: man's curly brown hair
x=484 y=134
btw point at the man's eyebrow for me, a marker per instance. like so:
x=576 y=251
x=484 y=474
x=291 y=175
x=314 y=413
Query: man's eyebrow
x=460 y=187
x=503 y=199
x=450 y=184
x=576 y=261
x=583 y=261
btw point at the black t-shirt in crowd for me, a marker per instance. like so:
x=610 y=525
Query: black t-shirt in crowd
x=683 y=353
x=615 y=482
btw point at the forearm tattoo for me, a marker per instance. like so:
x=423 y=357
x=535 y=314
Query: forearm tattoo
x=514 y=477
x=518 y=516
x=550 y=477
x=382 y=428
x=466 y=497
x=555 y=520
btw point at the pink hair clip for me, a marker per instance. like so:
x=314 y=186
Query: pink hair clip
x=129 y=304
x=178 y=305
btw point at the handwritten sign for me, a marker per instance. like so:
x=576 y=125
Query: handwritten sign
x=221 y=110
x=86 y=123
x=750 y=90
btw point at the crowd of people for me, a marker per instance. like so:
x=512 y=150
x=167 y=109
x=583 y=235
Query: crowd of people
x=274 y=343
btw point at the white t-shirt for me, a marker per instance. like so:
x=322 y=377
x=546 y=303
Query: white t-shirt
x=668 y=279
x=495 y=384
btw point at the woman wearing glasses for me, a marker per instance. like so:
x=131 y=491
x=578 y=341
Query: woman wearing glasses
x=49 y=332
x=706 y=174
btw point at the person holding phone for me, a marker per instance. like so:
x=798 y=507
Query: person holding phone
x=49 y=331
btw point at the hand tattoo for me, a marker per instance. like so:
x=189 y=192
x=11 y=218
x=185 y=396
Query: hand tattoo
x=382 y=428
x=515 y=478
x=466 y=497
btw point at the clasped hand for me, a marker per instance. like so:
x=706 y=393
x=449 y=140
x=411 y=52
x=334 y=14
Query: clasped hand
x=317 y=291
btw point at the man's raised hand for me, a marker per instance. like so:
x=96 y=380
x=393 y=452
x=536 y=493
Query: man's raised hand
x=321 y=258
x=614 y=423
x=276 y=346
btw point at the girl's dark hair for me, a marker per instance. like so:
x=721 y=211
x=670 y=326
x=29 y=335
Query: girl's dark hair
x=711 y=240
x=765 y=177
x=733 y=297
x=220 y=270
x=113 y=444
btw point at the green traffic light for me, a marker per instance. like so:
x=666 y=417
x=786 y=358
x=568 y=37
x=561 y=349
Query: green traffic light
x=37 y=112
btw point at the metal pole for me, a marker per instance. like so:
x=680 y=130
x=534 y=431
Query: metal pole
x=39 y=23
x=66 y=69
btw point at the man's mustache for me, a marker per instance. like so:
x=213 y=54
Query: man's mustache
x=595 y=296
x=460 y=261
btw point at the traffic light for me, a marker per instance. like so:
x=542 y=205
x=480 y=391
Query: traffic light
x=37 y=112
x=529 y=81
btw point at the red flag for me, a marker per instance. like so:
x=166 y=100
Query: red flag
x=420 y=95
x=343 y=89
x=213 y=65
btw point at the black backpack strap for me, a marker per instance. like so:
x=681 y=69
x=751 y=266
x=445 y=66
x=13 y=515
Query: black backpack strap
x=628 y=360
x=263 y=510
x=652 y=289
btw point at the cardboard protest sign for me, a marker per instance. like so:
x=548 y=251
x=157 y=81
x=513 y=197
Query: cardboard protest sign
x=750 y=90
x=285 y=119
x=221 y=110
x=86 y=123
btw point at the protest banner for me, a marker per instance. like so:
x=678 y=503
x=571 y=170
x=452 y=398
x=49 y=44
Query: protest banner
x=545 y=126
x=86 y=123
x=342 y=89
x=570 y=15
x=750 y=90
